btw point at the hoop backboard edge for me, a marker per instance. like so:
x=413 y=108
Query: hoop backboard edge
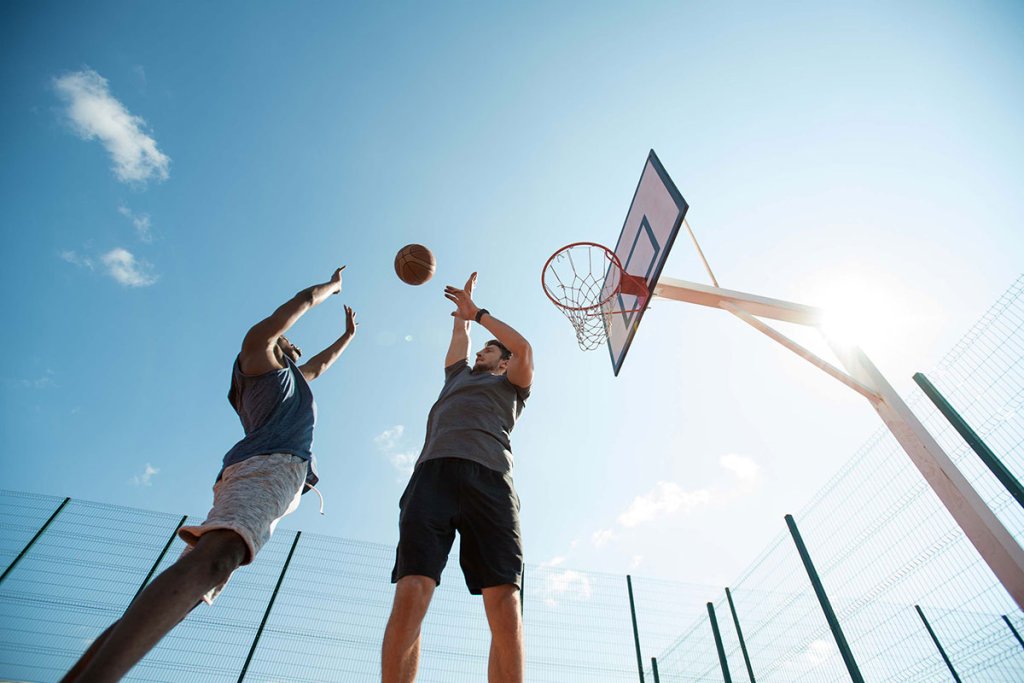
x=648 y=233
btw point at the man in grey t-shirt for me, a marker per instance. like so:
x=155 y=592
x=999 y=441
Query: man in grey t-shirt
x=463 y=482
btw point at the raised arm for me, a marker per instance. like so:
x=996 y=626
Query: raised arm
x=318 y=364
x=257 y=355
x=459 y=347
x=520 y=367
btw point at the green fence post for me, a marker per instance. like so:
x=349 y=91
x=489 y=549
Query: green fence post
x=991 y=460
x=718 y=644
x=1013 y=631
x=636 y=631
x=270 y=605
x=826 y=606
x=739 y=633
x=654 y=669
x=935 y=639
x=159 y=559
x=34 y=539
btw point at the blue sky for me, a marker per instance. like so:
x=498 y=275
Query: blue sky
x=862 y=154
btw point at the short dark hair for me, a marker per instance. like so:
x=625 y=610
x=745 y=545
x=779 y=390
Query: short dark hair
x=505 y=353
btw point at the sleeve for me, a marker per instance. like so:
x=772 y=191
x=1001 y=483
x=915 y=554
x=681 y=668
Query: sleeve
x=454 y=369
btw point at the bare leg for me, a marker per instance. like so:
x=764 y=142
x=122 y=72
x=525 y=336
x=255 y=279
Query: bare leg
x=84 y=660
x=159 y=608
x=400 y=656
x=506 y=659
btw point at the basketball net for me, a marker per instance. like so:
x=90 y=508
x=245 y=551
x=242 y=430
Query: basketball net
x=584 y=279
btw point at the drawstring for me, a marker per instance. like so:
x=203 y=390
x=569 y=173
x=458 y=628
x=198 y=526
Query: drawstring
x=313 y=488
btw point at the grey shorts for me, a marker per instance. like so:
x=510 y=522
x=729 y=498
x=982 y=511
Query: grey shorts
x=250 y=499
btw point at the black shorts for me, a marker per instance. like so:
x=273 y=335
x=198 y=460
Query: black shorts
x=452 y=494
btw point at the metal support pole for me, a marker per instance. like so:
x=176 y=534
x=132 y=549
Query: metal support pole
x=993 y=541
x=1013 y=631
x=718 y=644
x=991 y=460
x=935 y=639
x=739 y=633
x=636 y=631
x=654 y=669
x=270 y=605
x=34 y=539
x=826 y=606
x=159 y=559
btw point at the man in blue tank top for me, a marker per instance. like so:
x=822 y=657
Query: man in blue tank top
x=261 y=480
x=463 y=482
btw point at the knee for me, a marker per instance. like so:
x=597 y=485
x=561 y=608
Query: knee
x=216 y=556
x=412 y=594
x=218 y=569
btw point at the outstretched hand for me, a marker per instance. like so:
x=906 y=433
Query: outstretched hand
x=350 y=322
x=465 y=309
x=336 y=279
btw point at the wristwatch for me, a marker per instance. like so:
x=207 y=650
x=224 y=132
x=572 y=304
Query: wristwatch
x=480 y=314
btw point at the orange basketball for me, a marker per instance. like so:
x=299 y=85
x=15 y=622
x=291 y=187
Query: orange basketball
x=415 y=264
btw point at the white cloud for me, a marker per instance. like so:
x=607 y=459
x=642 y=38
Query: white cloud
x=140 y=221
x=405 y=463
x=77 y=259
x=554 y=561
x=125 y=268
x=568 y=583
x=818 y=651
x=636 y=561
x=743 y=467
x=96 y=114
x=600 y=538
x=388 y=439
x=388 y=443
x=665 y=498
x=146 y=478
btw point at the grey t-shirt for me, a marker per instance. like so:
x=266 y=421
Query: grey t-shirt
x=473 y=418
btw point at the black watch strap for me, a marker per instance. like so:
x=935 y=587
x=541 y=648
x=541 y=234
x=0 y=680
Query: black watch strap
x=480 y=314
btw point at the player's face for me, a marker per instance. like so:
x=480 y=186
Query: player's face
x=288 y=349
x=489 y=359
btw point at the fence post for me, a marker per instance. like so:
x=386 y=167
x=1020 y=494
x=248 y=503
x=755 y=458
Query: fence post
x=1013 y=631
x=991 y=460
x=935 y=639
x=34 y=539
x=826 y=606
x=739 y=633
x=654 y=669
x=636 y=631
x=159 y=559
x=718 y=644
x=270 y=605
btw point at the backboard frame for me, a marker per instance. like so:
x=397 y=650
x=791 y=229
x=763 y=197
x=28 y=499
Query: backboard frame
x=655 y=216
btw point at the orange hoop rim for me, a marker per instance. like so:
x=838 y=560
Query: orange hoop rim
x=637 y=283
x=614 y=261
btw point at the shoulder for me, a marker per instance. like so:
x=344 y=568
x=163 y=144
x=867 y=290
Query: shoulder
x=522 y=392
x=456 y=368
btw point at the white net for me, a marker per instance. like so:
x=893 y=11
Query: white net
x=582 y=279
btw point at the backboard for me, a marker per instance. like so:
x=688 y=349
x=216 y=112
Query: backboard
x=650 y=229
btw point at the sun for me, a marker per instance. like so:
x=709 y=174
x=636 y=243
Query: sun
x=861 y=309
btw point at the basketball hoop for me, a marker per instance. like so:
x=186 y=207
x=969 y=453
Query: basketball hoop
x=584 y=280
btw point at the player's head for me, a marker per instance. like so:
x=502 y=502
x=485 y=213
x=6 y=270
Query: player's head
x=494 y=357
x=284 y=348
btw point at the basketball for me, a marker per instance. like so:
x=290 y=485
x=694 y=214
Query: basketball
x=415 y=264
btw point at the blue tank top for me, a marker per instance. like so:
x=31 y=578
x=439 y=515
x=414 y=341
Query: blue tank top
x=277 y=413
